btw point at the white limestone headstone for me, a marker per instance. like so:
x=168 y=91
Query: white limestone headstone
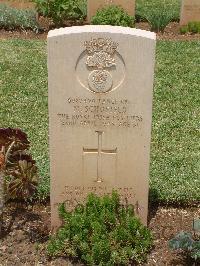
x=100 y=111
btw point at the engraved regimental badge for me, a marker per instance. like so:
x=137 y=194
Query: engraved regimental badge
x=100 y=60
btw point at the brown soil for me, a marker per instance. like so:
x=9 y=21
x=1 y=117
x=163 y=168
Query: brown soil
x=27 y=229
x=171 y=31
x=4 y=34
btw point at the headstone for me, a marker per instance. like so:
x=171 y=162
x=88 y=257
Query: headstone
x=19 y=4
x=93 y=6
x=100 y=109
x=190 y=11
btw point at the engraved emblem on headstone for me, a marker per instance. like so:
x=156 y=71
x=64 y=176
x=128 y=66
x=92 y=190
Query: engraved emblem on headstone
x=99 y=151
x=100 y=60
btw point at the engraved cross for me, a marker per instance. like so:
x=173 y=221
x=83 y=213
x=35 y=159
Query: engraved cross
x=99 y=151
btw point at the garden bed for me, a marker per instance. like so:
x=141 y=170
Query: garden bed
x=171 y=32
x=27 y=228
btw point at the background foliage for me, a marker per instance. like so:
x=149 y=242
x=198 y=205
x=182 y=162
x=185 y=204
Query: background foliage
x=145 y=8
x=158 y=13
x=61 y=10
x=12 y=18
x=193 y=27
x=113 y=15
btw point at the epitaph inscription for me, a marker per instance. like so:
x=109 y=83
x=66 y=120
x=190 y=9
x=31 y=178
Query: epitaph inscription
x=87 y=112
x=74 y=195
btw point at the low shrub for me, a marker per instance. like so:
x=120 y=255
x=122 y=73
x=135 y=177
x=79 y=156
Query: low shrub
x=144 y=7
x=184 y=29
x=101 y=232
x=159 y=18
x=187 y=242
x=61 y=10
x=192 y=27
x=112 y=15
x=12 y=18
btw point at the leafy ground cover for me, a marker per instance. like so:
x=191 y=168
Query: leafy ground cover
x=12 y=18
x=144 y=8
x=175 y=137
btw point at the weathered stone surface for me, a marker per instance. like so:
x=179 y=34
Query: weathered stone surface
x=19 y=4
x=100 y=109
x=93 y=6
x=190 y=11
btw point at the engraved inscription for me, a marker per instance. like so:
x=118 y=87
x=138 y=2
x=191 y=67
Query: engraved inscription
x=99 y=151
x=87 y=112
x=74 y=195
x=100 y=58
x=77 y=193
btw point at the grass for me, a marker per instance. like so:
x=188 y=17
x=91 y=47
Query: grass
x=175 y=153
x=23 y=96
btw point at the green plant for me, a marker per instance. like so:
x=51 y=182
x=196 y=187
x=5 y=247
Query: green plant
x=12 y=18
x=61 y=10
x=184 y=29
x=112 y=15
x=18 y=167
x=144 y=7
x=42 y=7
x=24 y=181
x=159 y=18
x=101 y=232
x=187 y=242
x=192 y=27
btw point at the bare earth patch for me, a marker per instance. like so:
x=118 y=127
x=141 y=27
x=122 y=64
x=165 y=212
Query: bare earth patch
x=27 y=229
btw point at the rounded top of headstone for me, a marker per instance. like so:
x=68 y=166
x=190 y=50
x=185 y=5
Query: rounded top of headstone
x=100 y=29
